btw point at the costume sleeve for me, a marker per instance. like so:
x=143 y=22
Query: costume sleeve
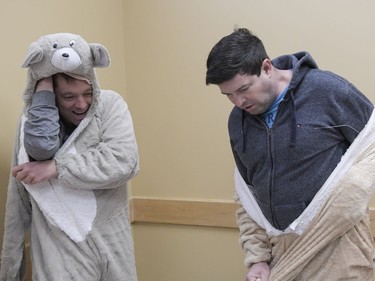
x=42 y=127
x=17 y=222
x=114 y=160
x=253 y=239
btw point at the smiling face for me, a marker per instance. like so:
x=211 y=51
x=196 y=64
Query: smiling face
x=251 y=93
x=73 y=98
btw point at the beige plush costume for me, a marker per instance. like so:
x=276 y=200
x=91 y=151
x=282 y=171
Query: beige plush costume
x=337 y=243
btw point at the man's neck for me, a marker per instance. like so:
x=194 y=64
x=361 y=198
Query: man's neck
x=68 y=126
x=283 y=76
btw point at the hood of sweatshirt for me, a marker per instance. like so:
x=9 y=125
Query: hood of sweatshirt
x=300 y=63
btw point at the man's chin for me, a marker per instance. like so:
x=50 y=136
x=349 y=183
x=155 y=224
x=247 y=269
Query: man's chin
x=77 y=120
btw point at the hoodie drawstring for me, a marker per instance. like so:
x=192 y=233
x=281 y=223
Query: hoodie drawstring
x=293 y=123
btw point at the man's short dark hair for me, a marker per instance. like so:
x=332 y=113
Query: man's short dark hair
x=240 y=52
x=67 y=77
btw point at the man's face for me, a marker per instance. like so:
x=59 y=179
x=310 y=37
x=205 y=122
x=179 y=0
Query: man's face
x=73 y=99
x=251 y=93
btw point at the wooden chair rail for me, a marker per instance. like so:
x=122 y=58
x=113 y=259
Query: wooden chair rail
x=211 y=213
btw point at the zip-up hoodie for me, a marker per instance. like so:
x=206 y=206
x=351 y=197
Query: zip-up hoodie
x=320 y=116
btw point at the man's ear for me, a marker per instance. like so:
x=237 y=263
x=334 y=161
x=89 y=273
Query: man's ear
x=267 y=66
x=100 y=54
x=34 y=55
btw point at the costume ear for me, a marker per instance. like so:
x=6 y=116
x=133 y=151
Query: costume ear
x=100 y=54
x=34 y=55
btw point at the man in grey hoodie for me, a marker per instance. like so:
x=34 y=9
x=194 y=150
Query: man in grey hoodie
x=289 y=128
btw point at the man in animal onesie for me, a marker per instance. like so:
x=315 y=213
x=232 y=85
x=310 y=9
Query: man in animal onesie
x=303 y=142
x=74 y=154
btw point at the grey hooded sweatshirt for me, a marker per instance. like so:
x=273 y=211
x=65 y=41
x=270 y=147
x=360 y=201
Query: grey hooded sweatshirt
x=285 y=166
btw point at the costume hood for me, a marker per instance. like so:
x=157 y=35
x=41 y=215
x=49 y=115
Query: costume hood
x=63 y=52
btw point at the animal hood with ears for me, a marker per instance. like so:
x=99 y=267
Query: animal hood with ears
x=63 y=52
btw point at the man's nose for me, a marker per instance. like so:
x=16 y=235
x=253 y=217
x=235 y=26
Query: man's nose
x=239 y=100
x=81 y=102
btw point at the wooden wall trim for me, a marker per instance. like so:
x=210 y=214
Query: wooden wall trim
x=183 y=212
x=212 y=213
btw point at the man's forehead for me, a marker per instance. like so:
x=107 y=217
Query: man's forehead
x=235 y=84
x=78 y=77
x=63 y=86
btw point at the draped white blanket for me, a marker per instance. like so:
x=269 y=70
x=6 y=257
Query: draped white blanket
x=71 y=210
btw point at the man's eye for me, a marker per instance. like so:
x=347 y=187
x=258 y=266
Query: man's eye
x=88 y=94
x=68 y=98
x=243 y=89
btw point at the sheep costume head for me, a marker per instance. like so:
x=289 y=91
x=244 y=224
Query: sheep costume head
x=63 y=52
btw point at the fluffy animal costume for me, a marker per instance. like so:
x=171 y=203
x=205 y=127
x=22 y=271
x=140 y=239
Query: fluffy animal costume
x=79 y=223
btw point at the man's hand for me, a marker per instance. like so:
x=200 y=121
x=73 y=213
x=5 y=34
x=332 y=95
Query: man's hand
x=258 y=272
x=35 y=172
x=44 y=84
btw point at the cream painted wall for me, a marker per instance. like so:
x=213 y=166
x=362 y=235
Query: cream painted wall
x=181 y=123
x=160 y=47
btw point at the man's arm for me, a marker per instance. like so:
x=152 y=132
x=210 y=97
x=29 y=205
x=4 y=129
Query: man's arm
x=42 y=125
x=354 y=112
x=255 y=243
x=113 y=160
x=35 y=172
x=258 y=272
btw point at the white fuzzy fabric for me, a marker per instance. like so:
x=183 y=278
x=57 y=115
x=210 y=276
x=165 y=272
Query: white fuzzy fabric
x=71 y=210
